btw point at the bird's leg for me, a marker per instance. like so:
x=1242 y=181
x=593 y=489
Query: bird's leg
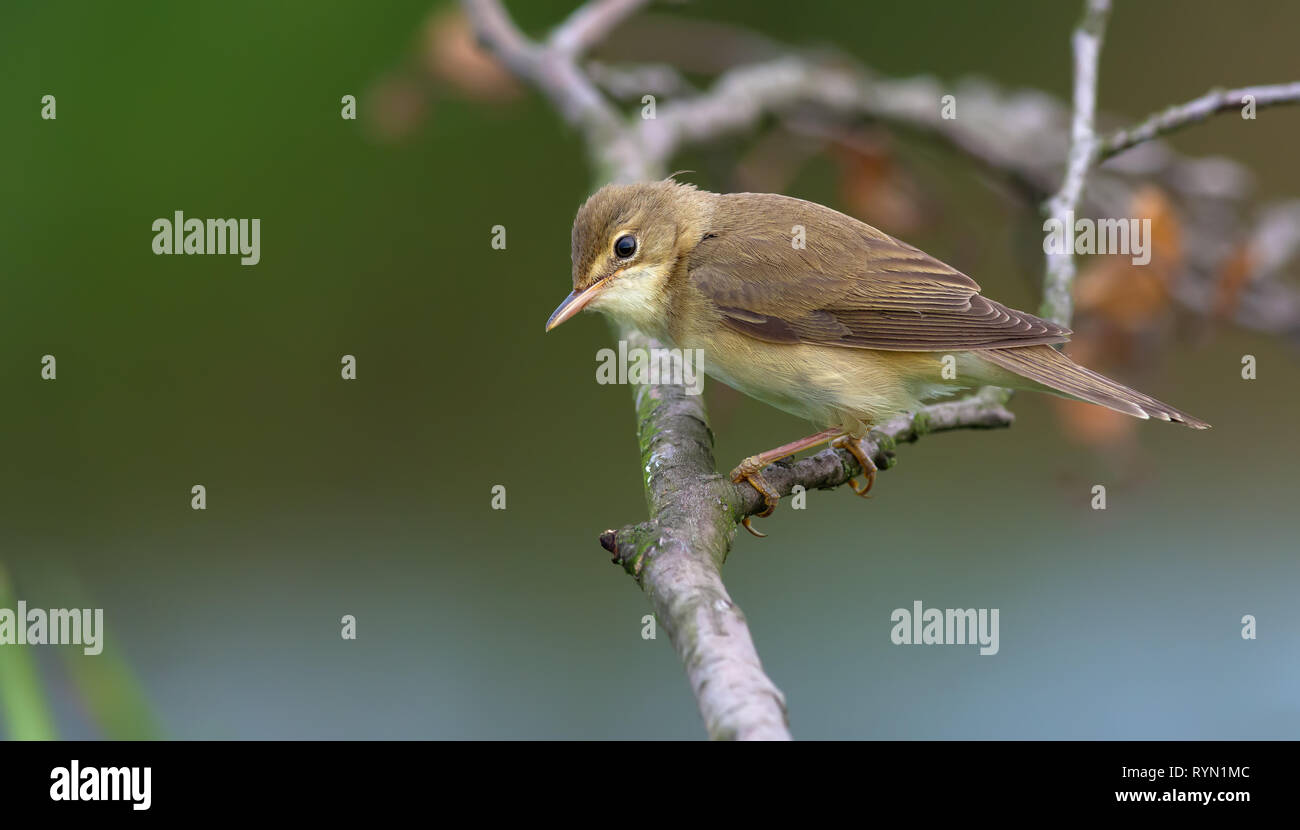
x=749 y=470
x=856 y=447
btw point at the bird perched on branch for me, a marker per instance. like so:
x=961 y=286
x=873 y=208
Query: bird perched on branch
x=813 y=312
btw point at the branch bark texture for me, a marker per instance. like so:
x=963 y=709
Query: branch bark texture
x=677 y=558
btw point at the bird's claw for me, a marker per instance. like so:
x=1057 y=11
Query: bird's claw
x=856 y=448
x=749 y=471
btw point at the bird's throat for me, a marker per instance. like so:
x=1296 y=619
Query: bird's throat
x=637 y=298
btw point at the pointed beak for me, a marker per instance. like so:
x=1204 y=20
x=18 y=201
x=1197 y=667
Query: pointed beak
x=574 y=303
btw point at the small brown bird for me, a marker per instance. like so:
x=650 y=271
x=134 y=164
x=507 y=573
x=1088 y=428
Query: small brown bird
x=813 y=312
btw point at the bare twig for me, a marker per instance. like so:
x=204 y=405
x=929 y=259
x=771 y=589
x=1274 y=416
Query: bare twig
x=633 y=82
x=1197 y=110
x=1058 y=304
x=589 y=25
x=554 y=69
x=831 y=468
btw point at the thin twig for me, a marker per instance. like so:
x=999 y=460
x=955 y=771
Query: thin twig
x=590 y=23
x=1197 y=110
x=831 y=468
x=552 y=70
x=1058 y=303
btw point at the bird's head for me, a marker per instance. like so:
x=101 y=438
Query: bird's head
x=627 y=240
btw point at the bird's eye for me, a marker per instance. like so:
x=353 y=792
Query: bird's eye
x=625 y=246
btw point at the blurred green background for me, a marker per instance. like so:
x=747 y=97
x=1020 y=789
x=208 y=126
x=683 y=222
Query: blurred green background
x=372 y=497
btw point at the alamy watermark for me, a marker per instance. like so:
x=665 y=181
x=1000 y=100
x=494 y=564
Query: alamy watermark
x=945 y=627
x=77 y=783
x=1100 y=236
x=684 y=367
x=55 y=626
x=179 y=235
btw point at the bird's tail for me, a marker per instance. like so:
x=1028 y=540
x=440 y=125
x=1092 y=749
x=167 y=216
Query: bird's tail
x=1052 y=369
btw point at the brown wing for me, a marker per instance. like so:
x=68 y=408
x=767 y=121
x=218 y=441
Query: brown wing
x=850 y=285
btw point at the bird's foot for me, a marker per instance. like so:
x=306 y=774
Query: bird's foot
x=858 y=449
x=749 y=470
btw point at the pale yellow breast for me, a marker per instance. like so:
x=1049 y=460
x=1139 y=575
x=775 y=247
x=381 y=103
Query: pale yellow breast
x=827 y=385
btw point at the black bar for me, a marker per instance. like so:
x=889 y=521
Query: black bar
x=337 y=779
